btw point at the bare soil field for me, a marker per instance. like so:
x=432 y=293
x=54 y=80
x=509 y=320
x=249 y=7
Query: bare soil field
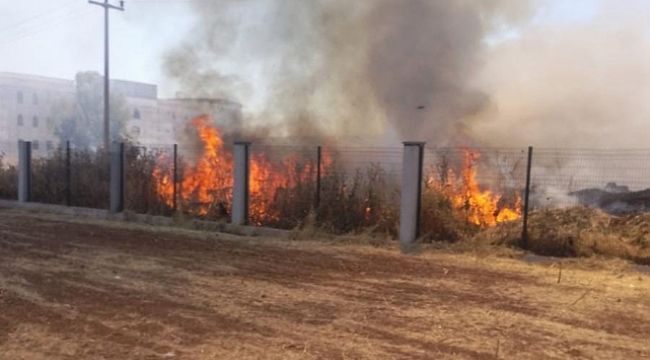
x=73 y=289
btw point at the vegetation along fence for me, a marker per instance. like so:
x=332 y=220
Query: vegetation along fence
x=411 y=192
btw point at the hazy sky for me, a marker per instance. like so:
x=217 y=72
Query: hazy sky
x=60 y=37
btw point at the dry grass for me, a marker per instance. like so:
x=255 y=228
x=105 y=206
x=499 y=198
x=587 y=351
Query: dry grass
x=89 y=180
x=581 y=232
x=8 y=179
x=358 y=206
x=122 y=291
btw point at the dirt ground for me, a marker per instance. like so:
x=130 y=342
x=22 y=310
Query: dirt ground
x=72 y=289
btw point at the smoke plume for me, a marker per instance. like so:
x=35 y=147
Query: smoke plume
x=483 y=72
x=345 y=67
x=583 y=83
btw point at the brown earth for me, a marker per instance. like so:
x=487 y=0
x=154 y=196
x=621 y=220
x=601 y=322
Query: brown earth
x=72 y=289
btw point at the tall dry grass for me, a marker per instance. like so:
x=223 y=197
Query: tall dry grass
x=8 y=180
x=366 y=199
x=89 y=180
x=49 y=178
x=140 y=191
x=577 y=232
x=352 y=201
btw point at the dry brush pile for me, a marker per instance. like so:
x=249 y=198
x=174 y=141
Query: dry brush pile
x=577 y=232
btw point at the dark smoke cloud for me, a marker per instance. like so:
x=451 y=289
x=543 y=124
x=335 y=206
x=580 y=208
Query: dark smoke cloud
x=345 y=67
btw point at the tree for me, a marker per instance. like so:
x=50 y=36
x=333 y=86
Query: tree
x=82 y=118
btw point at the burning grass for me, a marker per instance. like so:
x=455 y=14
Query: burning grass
x=478 y=206
x=455 y=206
x=352 y=199
x=362 y=202
x=282 y=188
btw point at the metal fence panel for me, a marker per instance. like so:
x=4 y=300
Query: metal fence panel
x=8 y=170
x=613 y=180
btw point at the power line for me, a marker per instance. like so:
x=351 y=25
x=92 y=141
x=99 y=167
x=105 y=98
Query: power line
x=44 y=26
x=166 y=1
x=37 y=16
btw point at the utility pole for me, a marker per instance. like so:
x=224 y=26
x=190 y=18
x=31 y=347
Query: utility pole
x=107 y=112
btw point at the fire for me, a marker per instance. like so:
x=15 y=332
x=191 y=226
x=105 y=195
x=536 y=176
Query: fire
x=480 y=207
x=278 y=185
x=206 y=187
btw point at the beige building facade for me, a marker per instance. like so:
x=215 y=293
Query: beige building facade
x=30 y=111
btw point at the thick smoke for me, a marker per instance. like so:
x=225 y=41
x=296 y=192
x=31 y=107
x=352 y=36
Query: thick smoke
x=581 y=83
x=405 y=68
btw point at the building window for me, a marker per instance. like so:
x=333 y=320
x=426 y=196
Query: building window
x=35 y=99
x=48 y=122
x=136 y=113
x=48 y=145
x=21 y=121
x=35 y=145
x=35 y=121
x=135 y=130
x=20 y=97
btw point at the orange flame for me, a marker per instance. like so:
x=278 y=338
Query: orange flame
x=481 y=207
x=207 y=186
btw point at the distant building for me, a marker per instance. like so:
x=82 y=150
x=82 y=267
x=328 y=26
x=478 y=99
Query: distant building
x=28 y=111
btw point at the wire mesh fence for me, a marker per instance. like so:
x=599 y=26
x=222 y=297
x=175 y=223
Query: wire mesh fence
x=204 y=178
x=360 y=189
x=89 y=180
x=8 y=170
x=342 y=189
x=282 y=184
x=148 y=174
x=468 y=189
x=71 y=176
x=616 y=181
x=49 y=178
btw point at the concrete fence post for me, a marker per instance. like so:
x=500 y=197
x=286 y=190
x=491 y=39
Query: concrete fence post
x=319 y=166
x=116 y=158
x=68 y=174
x=411 y=194
x=524 y=230
x=175 y=177
x=240 y=196
x=24 y=171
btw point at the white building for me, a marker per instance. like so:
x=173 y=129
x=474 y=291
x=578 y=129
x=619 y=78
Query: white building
x=28 y=111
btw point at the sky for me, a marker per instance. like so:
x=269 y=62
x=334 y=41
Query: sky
x=60 y=37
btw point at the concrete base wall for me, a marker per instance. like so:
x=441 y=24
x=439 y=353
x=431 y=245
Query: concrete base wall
x=99 y=214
